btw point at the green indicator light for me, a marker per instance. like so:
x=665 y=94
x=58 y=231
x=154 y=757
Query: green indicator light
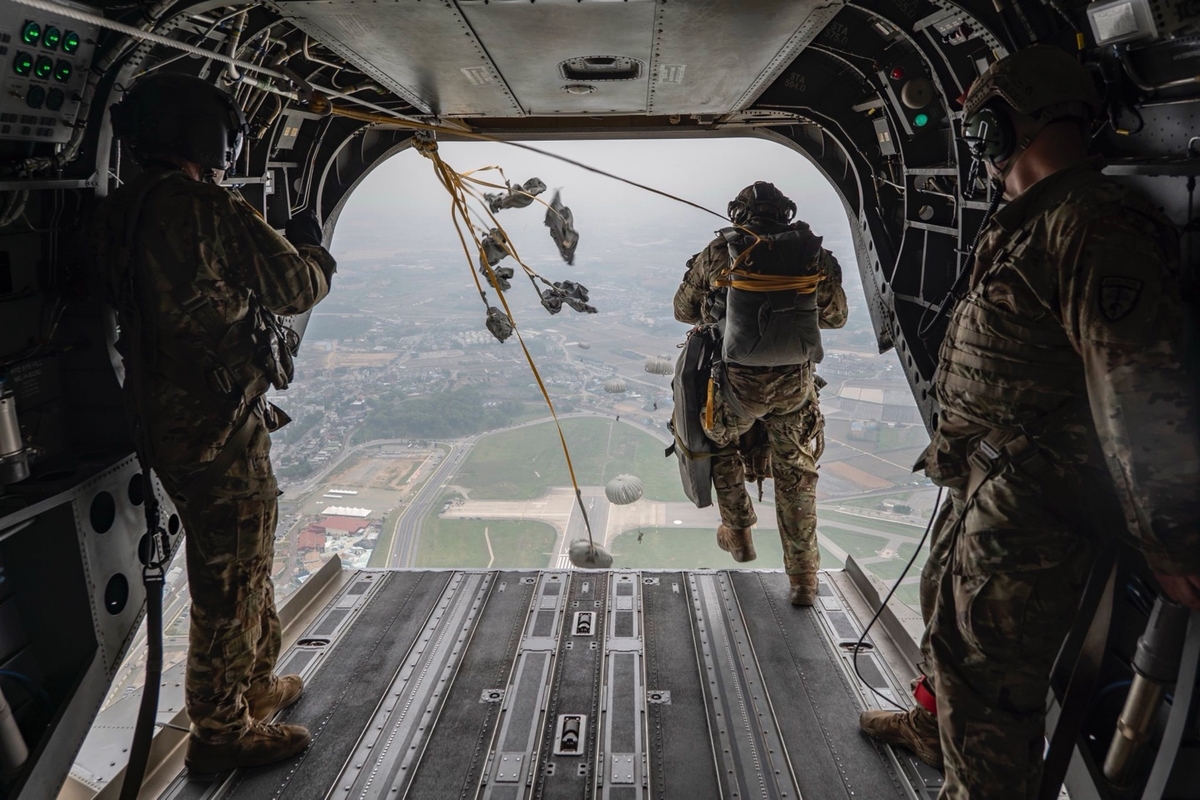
x=62 y=70
x=70 y=42
x=31 y=32
x=51 y=38
x=55 y=100
x=22 y=63
x=35 y=97
x=43 y=67
x=921 y=120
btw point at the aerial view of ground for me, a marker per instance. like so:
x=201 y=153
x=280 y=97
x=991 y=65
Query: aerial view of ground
x=524 y=463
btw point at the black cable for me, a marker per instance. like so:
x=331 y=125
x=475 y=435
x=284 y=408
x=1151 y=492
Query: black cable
x=858 y=646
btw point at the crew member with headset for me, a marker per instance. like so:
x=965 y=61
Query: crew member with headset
x=197 y=277
x=1066 y=422
x=770 y=287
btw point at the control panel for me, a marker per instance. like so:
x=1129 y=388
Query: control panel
x=44 y=60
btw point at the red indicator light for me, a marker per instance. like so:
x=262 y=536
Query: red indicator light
x=897 y=73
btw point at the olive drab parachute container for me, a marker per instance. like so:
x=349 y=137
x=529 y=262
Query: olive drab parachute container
x=690 y=387
x=771 y=317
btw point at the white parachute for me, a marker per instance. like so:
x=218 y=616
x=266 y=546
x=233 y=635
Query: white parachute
x=624 y=489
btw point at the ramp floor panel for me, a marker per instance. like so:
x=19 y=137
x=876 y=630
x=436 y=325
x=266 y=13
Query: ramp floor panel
x=572 y=684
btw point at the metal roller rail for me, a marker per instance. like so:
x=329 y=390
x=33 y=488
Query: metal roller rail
x=753 y=760
x=384 y=760
x=511 y=763
x=573 y=707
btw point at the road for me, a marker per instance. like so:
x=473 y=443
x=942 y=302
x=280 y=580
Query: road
x=408 y=526
x=597 y=514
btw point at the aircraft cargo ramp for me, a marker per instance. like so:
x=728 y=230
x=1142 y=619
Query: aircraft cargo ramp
x=571 y=684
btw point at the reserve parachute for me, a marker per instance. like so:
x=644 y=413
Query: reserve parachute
x=771 y=317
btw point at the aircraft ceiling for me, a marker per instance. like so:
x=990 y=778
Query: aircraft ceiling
x=564 y=57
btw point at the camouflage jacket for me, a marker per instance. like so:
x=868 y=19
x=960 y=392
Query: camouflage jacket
x=697 y=293
x=1072 y=331
x=211 y=242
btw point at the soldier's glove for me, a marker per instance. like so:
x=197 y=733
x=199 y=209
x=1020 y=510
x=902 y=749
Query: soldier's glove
x=305 y=228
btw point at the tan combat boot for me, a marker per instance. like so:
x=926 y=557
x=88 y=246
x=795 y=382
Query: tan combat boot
x=283 y=691
x=915 y=730
x=263 y=743
x=737 y=542
x=804 y=588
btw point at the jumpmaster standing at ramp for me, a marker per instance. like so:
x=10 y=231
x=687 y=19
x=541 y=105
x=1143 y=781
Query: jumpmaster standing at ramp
x=769 y=287
x=196 y=277
x=1067 y=424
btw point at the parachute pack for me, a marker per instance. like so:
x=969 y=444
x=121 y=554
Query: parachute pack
x=771 y=317
x=692 y=446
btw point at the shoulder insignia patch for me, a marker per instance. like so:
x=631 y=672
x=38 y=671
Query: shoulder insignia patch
x=1119 y=296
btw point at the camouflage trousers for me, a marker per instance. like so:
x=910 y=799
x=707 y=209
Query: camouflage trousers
x=235 y=632
x=785 y=400
x=999 y=598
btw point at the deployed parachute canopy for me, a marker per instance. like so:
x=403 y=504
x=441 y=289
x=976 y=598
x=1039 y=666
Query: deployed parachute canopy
x=614 y=386
x=623 y=490
x=659 y=366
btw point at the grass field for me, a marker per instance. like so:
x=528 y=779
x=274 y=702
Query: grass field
x=696 y=548
x=859 y=545
x=461 y=543
x=522 y=464
x=873 y=502
x=890 y=570
x=387 y=533
x=870 y=523
x=910 y=596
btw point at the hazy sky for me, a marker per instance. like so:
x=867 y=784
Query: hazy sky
x=403 y=201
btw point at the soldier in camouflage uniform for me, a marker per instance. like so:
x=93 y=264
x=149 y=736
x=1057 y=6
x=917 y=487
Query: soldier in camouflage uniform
x=1067 y=421
x=781 y=399
x=186 y=262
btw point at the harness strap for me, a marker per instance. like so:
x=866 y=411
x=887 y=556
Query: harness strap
x=759 y=282
x=680 y=447
x=1001 y=447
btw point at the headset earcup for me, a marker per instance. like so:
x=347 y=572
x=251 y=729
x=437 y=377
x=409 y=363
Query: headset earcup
x=1007 y=138
x=996 y=138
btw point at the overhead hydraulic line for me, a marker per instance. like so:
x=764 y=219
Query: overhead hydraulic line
x=319 y=104
x=138 y=33
x=166 y=41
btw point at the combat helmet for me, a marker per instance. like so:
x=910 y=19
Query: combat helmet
x=1041 y=82
x=169 y=114
x=761 y=199
x=1036 y=81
